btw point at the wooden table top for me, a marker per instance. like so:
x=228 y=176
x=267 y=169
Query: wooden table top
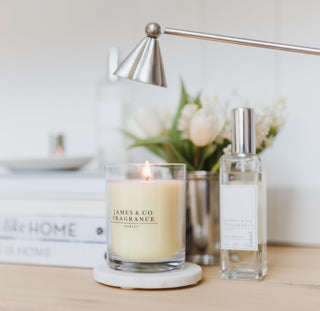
x=292 y=283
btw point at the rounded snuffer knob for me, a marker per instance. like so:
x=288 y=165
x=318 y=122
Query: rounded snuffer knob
x=153 y=30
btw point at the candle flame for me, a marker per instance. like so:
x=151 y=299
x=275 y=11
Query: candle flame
x=59 y=150
x=146 y=172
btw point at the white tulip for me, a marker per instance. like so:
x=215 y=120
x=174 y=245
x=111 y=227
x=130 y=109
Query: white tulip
x=278 y=112
x=262 y=126
x=226 y=131
x=184 y=121
x=205 y=126
x=146 y=123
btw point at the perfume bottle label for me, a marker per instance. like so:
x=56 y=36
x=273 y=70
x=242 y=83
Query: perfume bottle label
x=239 y=209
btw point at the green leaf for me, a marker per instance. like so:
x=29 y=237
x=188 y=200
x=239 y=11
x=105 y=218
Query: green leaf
x=159 y=151
x=151 y=141
x=262 y=146
x=181 y=158
x=197 y=100
x=155 y=148
x=205 y=153
x=129 y=134
x=273 y=131
x=212 y=161
x=184 y=99
x=216 y=167
x=188 y=149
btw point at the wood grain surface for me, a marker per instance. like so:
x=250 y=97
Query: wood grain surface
x=292 y=283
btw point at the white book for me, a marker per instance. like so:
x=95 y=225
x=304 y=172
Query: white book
x=62 y=185
x=63 y=228
x=77 y=241
x=53 y=206
x=86 y=255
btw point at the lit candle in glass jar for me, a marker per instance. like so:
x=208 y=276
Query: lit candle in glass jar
x=146 y=216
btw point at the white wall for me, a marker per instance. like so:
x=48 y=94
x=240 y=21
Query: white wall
x=52 y=53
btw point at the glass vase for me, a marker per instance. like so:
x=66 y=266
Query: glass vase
x=203 y=218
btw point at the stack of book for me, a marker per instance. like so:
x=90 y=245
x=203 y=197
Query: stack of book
x=56 y=219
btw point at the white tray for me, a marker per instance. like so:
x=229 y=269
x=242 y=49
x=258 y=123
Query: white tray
x=45 y=164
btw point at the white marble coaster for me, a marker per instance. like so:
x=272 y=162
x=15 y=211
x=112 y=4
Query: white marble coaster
x=188 y=275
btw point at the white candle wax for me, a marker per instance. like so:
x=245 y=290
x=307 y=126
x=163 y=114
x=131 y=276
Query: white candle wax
x=147 y=218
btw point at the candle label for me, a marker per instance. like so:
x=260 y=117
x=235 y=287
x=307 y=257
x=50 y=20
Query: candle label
x=133 y=218
x=146 y=219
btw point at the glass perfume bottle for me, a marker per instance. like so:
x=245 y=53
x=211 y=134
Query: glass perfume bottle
x=243 y=204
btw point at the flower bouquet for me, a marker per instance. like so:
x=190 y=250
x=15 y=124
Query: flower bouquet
x=199 y=133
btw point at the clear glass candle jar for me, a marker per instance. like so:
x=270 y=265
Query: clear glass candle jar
x=146 y=216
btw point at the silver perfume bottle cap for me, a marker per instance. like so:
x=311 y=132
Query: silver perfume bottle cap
x=243 y=131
